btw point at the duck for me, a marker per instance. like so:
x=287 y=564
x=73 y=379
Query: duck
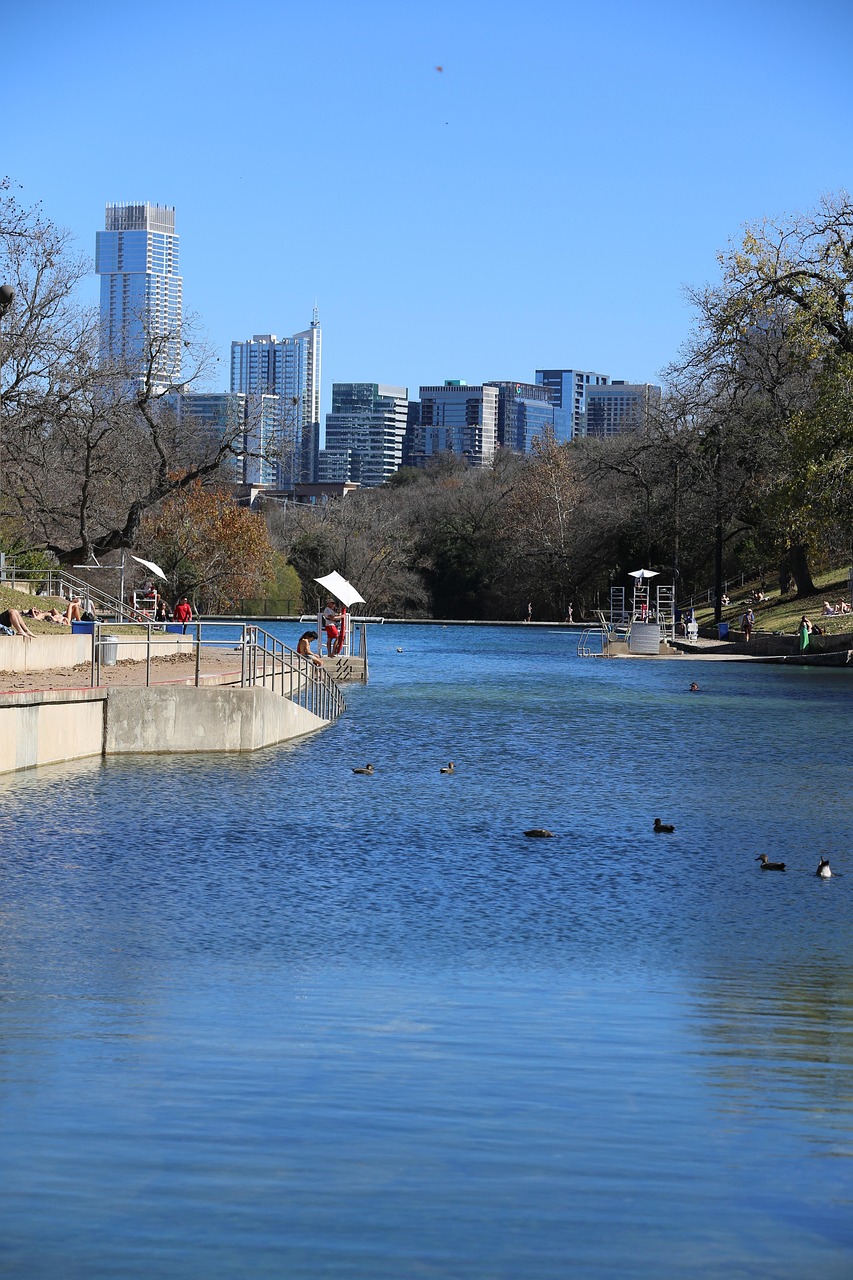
x=539 y=833
x=769 y=866
x=824 y=870
x=368 y=769
x=663 y=828
x=447 y=768
x=399 y=650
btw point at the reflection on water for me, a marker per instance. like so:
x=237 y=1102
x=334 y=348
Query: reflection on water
x=262 y=1016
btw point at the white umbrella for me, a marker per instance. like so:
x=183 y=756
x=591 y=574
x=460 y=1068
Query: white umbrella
x=644 y=573
x=340 y=589
x=149 y=564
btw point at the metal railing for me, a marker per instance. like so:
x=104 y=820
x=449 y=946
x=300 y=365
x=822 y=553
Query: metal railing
x=67 y=586
x=263 y=660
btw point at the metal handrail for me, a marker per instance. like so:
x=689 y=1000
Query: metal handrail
x=67 y=585
x=265 y=661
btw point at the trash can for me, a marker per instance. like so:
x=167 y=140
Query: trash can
x=724 y=630
x=109 y=651
x=82 y=628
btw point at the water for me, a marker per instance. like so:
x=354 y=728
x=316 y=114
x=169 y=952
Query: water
x=264 y=1017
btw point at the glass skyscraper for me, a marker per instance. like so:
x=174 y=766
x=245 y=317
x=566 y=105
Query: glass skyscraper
x=366 y=428
x=620 y=407
x=568 y=389
x=289 y=369
x=525 y=413
x=136 y=257
x=456 y=418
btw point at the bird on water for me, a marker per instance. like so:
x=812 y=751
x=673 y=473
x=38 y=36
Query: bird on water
x=663 y=828
x=368 y=769
x=766 y=865
x=447 y=768
x=824 y=870
x=538 y=833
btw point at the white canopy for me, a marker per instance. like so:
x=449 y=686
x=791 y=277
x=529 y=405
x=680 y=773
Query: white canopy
x=644 y=573
x=340 y=589
x=149 y=564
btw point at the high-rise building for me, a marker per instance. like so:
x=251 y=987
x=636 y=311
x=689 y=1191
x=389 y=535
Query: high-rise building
x=568 y=390
x=525 y=413
x=619 y=407
x=367 y=422
x=136 y=257
x=455 y=418
x=288 y=368
x=214 y=417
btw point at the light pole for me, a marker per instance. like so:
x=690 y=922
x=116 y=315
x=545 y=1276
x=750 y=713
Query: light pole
x=7 y=297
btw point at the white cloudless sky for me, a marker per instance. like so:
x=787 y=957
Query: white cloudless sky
x=540 y=201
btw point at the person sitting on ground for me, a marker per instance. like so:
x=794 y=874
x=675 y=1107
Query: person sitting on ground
x=303 y=648
x=724 y=599
x=828 y=609
x=12 y=620
x=842 y=607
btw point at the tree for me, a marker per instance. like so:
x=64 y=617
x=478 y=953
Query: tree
x=210 y=549
x=771 y=339
x=88 y=444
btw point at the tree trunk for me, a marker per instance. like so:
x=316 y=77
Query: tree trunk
x=798 y=565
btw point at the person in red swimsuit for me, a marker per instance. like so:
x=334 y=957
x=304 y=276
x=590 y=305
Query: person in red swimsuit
x=331 y=618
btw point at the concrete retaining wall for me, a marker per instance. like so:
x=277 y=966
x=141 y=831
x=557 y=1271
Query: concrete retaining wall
x=768 y=644
x=46 y=728
x=46 y=653
x=179 y=719
x=49 y=727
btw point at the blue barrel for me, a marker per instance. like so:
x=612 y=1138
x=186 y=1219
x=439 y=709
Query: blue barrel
x=83 y=628
x=724 y=630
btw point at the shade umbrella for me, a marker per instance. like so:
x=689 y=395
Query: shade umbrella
x=149 y=564
x=644 y=573
x=340 y=589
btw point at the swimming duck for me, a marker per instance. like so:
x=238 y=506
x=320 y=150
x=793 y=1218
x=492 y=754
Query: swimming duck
x=824 y=870
x=448 y=768
x=368 y=769
x=769 y=866
x=663 y=828
x=399 y=650
x=538 y=833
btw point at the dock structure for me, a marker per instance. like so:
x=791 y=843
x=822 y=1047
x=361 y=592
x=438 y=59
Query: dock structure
x=641 y=621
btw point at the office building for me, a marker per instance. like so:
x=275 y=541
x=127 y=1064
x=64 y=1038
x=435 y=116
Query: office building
x=458 y=419
x=136 y=256
x=619 y=407
x=290 y=370
x=568 y=389
x=213 y=417
x=367 y=423
x=525 y=413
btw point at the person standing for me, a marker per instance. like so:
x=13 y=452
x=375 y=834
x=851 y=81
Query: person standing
x=746 y=624
x=183 y=612
x=805 y=633
x=331 y=618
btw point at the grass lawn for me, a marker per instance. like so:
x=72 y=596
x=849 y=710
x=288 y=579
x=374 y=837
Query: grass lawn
x=781 y=614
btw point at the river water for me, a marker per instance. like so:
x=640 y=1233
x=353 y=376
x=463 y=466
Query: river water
x=263 y=1017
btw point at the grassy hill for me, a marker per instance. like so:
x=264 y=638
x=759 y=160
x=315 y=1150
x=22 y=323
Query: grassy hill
x=781 y=613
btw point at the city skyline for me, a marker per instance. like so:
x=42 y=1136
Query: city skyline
x=540 y=201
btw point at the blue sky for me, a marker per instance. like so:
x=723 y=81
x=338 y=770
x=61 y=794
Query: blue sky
x=539 y=202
